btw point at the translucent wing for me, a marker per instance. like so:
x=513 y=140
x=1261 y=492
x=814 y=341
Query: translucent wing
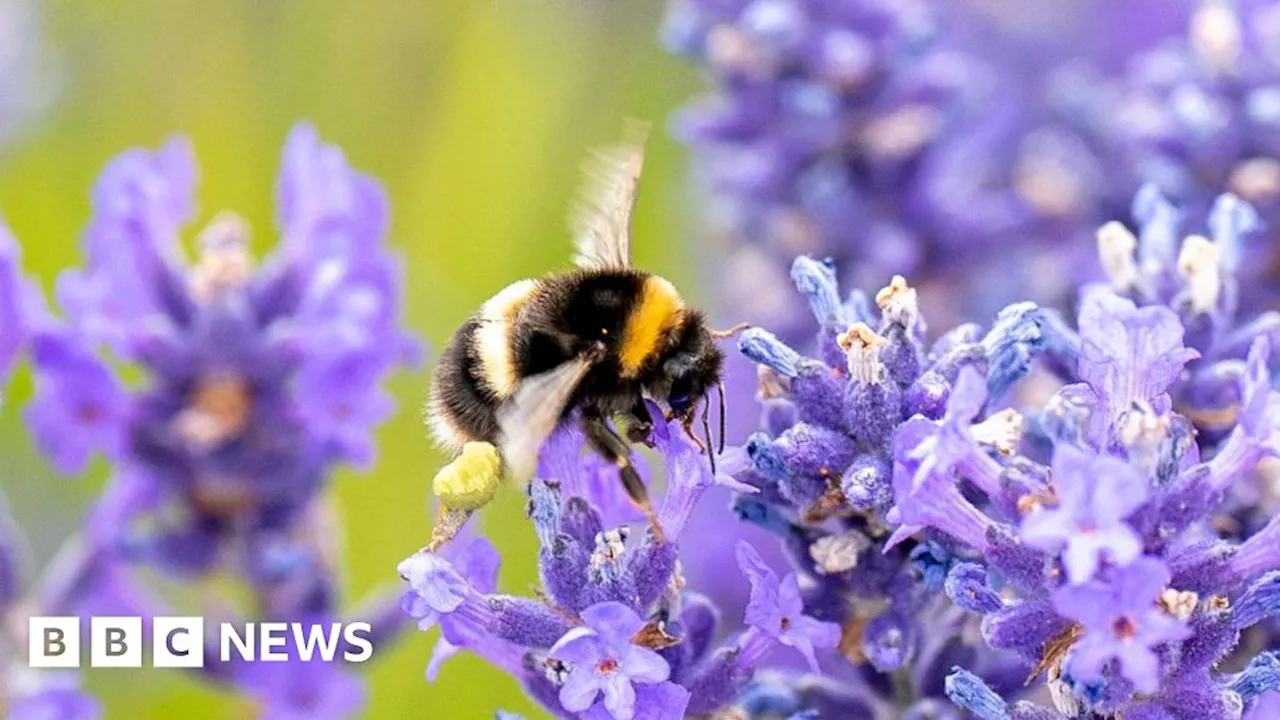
x=601 y=218
x=530 y=415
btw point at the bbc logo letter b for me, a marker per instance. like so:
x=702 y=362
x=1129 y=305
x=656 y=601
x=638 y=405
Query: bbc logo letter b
x=53 y=642
x=115 y=642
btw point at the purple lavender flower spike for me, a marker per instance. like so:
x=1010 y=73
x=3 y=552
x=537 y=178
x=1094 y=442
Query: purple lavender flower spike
x=1195 y=117
x=1122 y=622
x=1095 y=494
x=605 y=666
x=773 y=140
x=777 y=609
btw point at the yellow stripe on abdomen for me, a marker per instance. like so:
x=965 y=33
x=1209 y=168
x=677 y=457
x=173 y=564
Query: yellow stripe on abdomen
x=657 y=312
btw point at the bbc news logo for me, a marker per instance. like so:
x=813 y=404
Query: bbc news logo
x=179 y=642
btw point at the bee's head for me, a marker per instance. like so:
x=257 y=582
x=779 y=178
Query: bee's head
x=691 y=366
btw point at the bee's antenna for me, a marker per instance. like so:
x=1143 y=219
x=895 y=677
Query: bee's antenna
x=720 y=388
x=723 y=334
x=706 y=430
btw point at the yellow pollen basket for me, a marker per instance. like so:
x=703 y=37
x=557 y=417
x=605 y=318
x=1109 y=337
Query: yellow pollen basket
x=472 y=479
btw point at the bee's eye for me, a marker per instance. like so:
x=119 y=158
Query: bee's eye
x=681 y=394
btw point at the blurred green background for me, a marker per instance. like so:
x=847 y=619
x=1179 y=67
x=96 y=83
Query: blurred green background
x=474 y=113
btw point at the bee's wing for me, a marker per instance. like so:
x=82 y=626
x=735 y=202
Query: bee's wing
x=530 y=415
x=601 y=218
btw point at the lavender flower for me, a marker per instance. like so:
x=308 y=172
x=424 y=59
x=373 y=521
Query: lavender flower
x=820 y=128
x=1086 y=535
x=777 y=609
x=1121 y=621
x=604 y=662
x=617 y=634
x=1128 y=355
x=1195 y=115
x=255 y=384
x=1095 y=494
x=847 y=462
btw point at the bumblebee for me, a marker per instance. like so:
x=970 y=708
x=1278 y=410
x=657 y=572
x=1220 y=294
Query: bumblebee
x=588 y=346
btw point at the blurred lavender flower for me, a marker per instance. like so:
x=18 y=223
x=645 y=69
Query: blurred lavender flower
x=819 y=127
x=256 y=384
x=870 y=136
x=35 y=695
x=81 y=580
x=1194 y=116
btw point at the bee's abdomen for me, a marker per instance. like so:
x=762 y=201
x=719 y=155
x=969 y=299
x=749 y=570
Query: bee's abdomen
x=462 y=407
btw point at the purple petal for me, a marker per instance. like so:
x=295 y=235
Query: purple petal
x=580 y=690
x=580 y=646
x=805 y=647
x=1090 y=655
x=614 y=622
x=790 y=603
x=1047 y=528
x=1091 y=604
x=619 y=697
x=479 y=564
x=823 y=635
x=1128 y=353
x=1081 y=557
x=1119 y=489
x=1156 y=627
x=1139 y=584
x=762 y=607
x=442 y=651
x=643 y=665
x=968 y=395
x=1140 y=666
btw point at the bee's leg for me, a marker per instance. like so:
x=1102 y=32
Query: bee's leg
x=605 y=441
x=641 y=423
x=449 y=523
